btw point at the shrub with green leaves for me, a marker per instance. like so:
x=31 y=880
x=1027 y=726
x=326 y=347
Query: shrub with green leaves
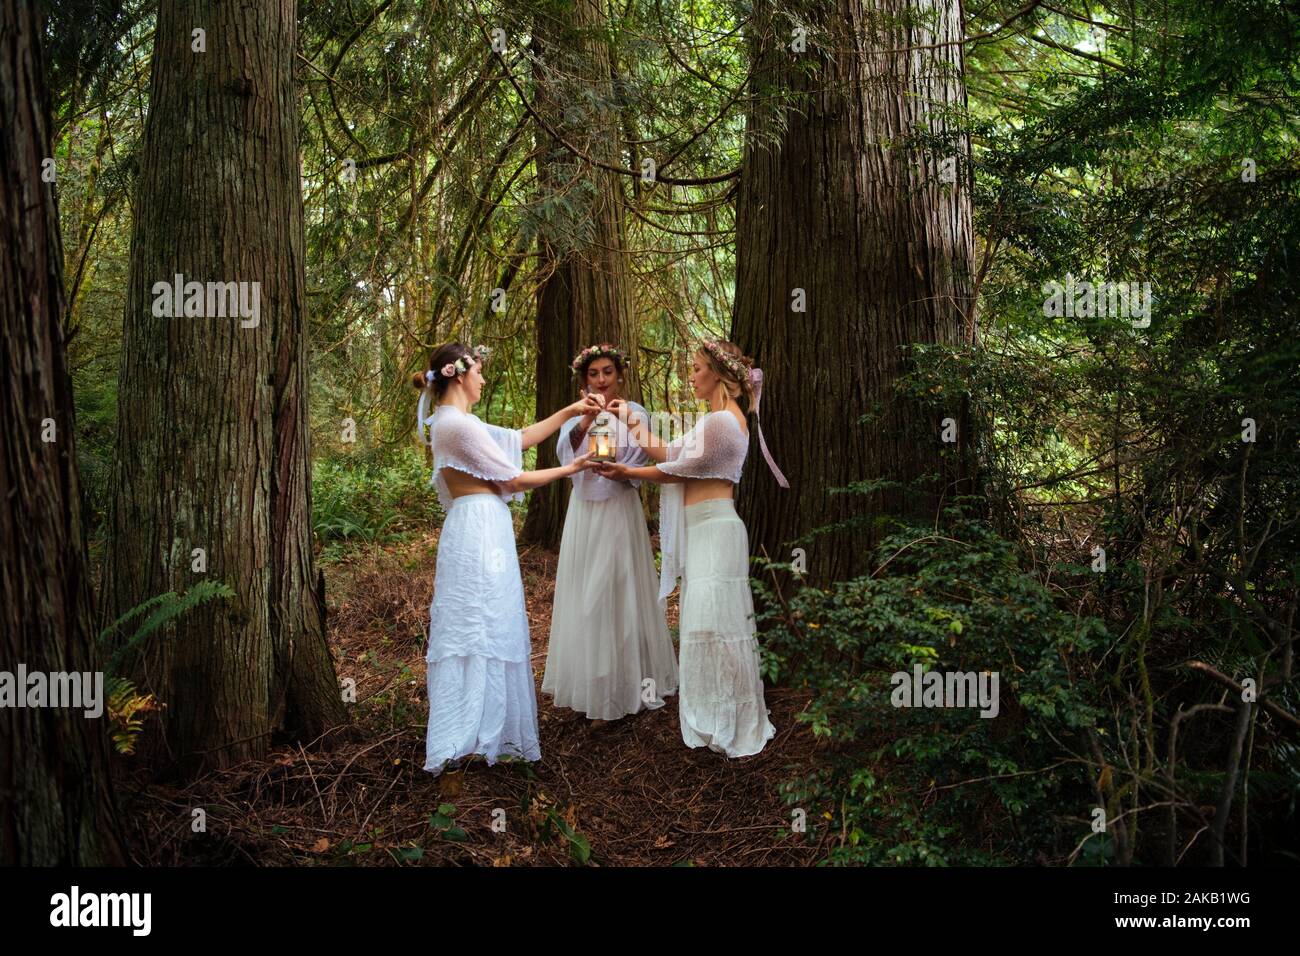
x=374 y=497
x=915 y=785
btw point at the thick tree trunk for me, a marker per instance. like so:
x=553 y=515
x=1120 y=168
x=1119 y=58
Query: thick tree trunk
x=56 y=798
x=212 y=474
x=880 y=246
x=585 y=295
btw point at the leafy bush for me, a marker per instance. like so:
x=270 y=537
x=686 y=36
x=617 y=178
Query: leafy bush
x=904 y=785
x=372 y=497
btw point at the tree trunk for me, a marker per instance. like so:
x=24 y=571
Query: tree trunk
x=56 y=798
x=832 y=205
x=213 y=474
x=584 y=296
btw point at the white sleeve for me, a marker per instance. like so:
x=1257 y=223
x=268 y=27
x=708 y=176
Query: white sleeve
x=583 y=481
x=714 y=448
x=672 y=538
x=629 y=452
x=510 y=441
x=564 y=441
x=466 y=444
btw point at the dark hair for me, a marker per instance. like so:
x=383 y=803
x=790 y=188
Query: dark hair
x=442 y=355
x=620 y=364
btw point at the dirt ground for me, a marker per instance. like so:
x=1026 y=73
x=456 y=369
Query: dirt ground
x=627 y=793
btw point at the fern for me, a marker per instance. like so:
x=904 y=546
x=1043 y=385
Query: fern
x=166 y=608
x=126 y=705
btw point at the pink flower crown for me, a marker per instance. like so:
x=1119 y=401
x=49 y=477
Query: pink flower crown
x=478 y=353
x=593 y=352
x=728 y=361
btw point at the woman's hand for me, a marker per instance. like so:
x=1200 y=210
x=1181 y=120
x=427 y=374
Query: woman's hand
x=578 y=464
x=588 y=406
x=614 y=470
x=539 y=431
x=623 y=411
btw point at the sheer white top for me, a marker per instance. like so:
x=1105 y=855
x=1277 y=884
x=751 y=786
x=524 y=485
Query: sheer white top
x=715 y=448
x=461 y=441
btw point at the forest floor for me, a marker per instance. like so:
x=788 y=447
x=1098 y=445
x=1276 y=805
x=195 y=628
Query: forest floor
x=627 y=793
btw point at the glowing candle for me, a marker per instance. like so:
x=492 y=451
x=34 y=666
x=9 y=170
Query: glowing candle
x=600 y=440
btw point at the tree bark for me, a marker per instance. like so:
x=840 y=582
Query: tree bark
x=584 y=295
x=830 y=203
x=213 y=449
x=56 y=796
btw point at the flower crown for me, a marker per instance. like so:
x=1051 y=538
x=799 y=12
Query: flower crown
x=730 y=362
x=478 y=353
x=593 y=352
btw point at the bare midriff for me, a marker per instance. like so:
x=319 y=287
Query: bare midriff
x=706 y=489
x=461 y=484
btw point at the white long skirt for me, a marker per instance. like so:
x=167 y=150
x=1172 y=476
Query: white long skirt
x=610 y=653
x=721 y=699
x=482 y=699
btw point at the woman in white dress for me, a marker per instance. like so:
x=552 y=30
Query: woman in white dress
x=482 y=699
x=610 y=653
x=720 y=697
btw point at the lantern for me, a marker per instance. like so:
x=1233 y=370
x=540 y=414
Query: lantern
x=600 y=440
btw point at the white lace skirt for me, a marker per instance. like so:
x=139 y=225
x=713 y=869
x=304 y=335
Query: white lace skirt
x=482 y=699
x=610 y=653
x=721 y=697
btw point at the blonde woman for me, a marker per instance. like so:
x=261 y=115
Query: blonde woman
x=720 y=694
x=610 y=653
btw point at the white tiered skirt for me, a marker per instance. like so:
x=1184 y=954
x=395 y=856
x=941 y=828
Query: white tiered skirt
x=610 y=653
x=482 y=699
x=720 y=699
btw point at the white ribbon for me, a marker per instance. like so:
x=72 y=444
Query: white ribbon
x=756 y=380
x=421 y=410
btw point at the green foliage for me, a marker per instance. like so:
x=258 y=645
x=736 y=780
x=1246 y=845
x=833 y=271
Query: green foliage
x=163 y=608
x=372 y=498
x=579 y=846
x=443 y=822
x=125 y=703
x=1178 y=169
x=897 y=782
